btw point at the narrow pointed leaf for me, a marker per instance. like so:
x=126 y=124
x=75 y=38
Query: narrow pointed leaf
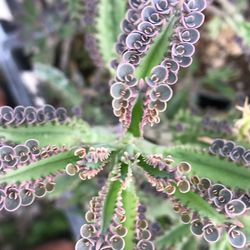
x=110 y=14
x=153 y=171
x=70 y=134
x=130 y=204
x=40 y=168
x=137 y=113
x=203 y=164
x=156 y=51
x=110 y=204
x=198 y=204
x=216 y=169
x=49 y=133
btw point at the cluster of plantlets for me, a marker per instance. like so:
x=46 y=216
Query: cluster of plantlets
x=23 y=193
x=29 y=115
x=146 y=22
x=209 y=188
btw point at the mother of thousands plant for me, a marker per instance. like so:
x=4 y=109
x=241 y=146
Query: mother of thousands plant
x=209 y=188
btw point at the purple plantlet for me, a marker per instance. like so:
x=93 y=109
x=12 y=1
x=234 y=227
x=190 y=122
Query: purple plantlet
x=147 y=29
x=33 y=146
x=224 y=196
x=246 y=157
x=6 y=115
x=22 y=152
x=30 y=115
x=190 y=36
x=162 y=93
x=246 y=199
x=236 y=237
x=61 y=114
x=235 y=207
x=237 y=153
x=131 y=56
x=19 y=115
x=145 y=245
x=159 y=75
x=27 y=197
x=214 y=191
x=193 y=20
x=197 y=227
x=211 y=233
x=138 y=4
x=40 y=116
x=49 y=112
x=7 y=156
x=125 y=74
x=230 y=150
x=183 y=50
x=12 y=200
x=226 y=150
x=216 y=146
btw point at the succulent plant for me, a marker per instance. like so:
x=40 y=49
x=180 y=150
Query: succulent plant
x=208 y=187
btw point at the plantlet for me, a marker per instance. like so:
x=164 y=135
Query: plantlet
x=208 y=186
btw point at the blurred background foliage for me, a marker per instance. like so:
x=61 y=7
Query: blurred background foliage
x=55 y=36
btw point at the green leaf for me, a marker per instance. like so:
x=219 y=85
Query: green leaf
x=137 y=113
x=110 y=14
x=153 y=171
x=189 y=244
x=157 y=50
x=47 y=134
x=130 y=203
x=40 y=168
x=71 y=134
x=173 y=236
x=212 y=167
x=110 y=204
x=197 y=203
x=58 y=84
x=203 y=164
